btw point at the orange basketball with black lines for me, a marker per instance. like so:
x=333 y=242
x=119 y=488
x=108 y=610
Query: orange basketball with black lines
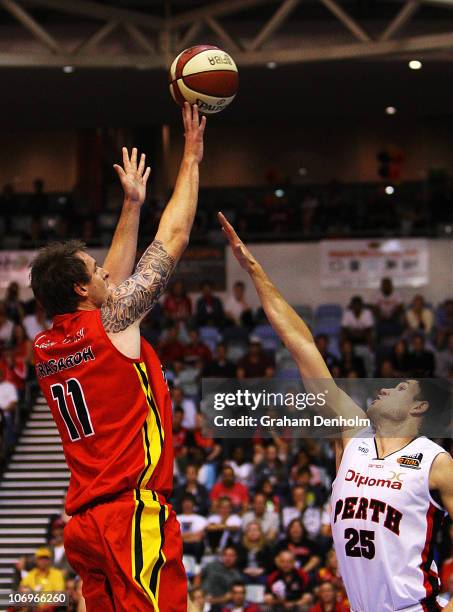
x=204 y=75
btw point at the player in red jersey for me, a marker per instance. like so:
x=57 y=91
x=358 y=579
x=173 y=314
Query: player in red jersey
x=106 y=389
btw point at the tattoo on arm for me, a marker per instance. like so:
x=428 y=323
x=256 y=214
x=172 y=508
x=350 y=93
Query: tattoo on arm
x=133 y=298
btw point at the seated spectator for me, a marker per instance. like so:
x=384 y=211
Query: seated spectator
x=195 y=349
x=36 y=321
x=385 y=369
x=243 y=469
x=193 y=528
x=255 y=363
x=322 y=344
x=422 y=362
x=287 y=587
x=349 y=361
x=219 y=367
x=297 y=542
x=198 y=600
x=357 y=323
x=170 y=348
x=188 y=407
x=21 y=344
x=238 y=602
x=218 y=577
x=223 y=525
x=300 y=502
x=272 y=499
x=315 y=517
x=254 y=554
x=272 y=468
x=192 y=486
x=177 y=304
x=237 y=310
x=56 y=546
x=444 y=360
x=209 y=307
x=210 y=447
x=180 y=436
x=14 y=307
x=388 y=309
x=15 y=368
x=330 y=573
x=8 y=405
x=187 y=377
x=444 y=323
x=419 y=318
x=228 y=487
x=326 y=599
x=6 y=326
x=400 y=358
x=267 y=518
x=43 y=577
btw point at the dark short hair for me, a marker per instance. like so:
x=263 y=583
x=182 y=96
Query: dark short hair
x=438 y=394
x=189 y=497
x=54 y=272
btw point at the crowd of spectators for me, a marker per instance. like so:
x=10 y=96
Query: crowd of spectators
x=276 y=212
x=254 y=517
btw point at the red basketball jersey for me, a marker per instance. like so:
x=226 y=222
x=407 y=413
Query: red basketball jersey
x=113 y=413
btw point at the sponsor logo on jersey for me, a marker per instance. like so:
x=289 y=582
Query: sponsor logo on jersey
x=80 y=333
x=359 y=480
x=52 y=366
x=411 y=461
x=377 y=466
x=364 y=450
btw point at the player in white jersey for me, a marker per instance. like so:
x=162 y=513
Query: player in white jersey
x=393 y=485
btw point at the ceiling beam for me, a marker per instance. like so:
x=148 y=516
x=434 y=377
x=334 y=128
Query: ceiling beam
x=94 y=40
x=346 y=20
x=139 y=38
x=189 y=35
x=299 y=54
x=400 y=20
x=273 y=24
x=31 y=25
x=99 y=11
x=226 y=7
x=227 y=41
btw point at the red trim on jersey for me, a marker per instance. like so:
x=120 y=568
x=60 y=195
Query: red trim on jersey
x=430 y=578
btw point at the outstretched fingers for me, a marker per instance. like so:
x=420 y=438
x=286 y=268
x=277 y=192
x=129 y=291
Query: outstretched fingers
x=141 y=165
x=119 y=170
x=146 y=175
x=227 y=228
x=126 y=161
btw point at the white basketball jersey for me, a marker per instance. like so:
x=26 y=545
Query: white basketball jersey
x=384 y=522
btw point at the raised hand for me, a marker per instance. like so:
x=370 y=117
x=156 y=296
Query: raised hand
x=241 y=252
x=193 y=132
x=133 y=178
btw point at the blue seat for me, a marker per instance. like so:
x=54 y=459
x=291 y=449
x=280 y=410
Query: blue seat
x=288 y=374
x=328 y=311
x=210 y=336
x=329 y=327
x=305 y=312
x=269 y=339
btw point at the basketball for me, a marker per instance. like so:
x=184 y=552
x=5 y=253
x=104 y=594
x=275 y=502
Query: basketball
x=204 y=75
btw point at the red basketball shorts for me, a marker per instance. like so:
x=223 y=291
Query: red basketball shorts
x=128 y=553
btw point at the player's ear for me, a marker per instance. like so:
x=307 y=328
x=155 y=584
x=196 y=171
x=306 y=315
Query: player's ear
x=81 y=290
x=419 y=408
